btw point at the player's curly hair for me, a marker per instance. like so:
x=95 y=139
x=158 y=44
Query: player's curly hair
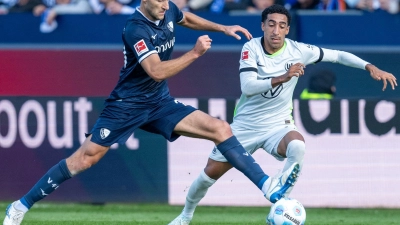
x=276 y=9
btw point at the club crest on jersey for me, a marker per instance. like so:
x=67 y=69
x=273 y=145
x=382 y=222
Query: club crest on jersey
x=104 y=132
x=245 y=55
x=141 y=47
x=170 y=26
x=288 y=65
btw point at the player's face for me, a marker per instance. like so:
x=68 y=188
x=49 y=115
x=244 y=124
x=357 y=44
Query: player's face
x=275 y=29
x=154 y=9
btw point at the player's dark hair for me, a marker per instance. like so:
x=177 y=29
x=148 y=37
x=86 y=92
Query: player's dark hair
x=276 y=9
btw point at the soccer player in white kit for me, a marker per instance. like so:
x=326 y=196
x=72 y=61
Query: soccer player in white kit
x=269 y=69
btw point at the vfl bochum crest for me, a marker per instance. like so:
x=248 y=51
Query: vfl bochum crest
x=170 y=26
x=104 y=133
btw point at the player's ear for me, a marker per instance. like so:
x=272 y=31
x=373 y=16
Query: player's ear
x=287 y=30
x=262 y=26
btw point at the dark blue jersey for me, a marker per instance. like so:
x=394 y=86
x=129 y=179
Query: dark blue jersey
x=142 y=38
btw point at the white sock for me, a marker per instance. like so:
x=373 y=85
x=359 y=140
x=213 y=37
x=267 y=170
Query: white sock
x=19 y=206
x=196 y=192
x=295 y=153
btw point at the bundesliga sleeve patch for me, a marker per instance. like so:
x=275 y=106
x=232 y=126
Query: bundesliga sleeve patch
x=141 y=47
x=245 y=55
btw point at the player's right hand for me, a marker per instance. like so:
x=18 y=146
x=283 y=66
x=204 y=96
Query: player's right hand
x=202 y=45
x=296 y=70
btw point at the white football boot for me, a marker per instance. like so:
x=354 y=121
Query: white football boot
x=181 y=220
x=13 y=216
x=282 y=183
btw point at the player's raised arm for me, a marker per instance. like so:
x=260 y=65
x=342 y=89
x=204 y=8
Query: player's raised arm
x=194 y=22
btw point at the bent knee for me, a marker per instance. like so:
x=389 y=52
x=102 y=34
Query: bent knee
x=222 y=130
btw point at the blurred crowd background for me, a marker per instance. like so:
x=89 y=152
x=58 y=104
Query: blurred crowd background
x=49 y=9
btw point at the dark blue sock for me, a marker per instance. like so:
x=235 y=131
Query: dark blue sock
x=242 y=160
x=47 y=184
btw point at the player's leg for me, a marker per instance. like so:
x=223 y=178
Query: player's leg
x=198 y=189
x=292 y=146
x=201 y=125
x=114 y=125
x=86 y=156
x=286 y=142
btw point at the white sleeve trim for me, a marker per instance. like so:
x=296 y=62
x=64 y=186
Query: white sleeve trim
x=251 y=86
x=344 y=58
x=147 y=55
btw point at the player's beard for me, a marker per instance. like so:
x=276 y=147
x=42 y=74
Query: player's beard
x=275 y=46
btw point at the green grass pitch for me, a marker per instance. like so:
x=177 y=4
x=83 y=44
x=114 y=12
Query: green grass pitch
x=162 y=214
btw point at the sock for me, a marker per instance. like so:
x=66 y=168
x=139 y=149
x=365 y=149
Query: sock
x=295 y=153
x=47 y=184
x=197 y=191
x=242 y=160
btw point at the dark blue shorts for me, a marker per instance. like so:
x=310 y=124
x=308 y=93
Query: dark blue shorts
x=120 y=119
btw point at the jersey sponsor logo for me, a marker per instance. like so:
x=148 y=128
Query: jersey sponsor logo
x=166 y=46
x=245 y=55
x=141 y=47
x=170 y=26
x=274 y=92
x=104 y=133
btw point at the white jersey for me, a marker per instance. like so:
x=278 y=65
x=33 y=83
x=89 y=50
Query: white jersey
x=263 y=111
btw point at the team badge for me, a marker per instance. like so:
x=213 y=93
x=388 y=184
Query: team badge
x=170 y=26
x=288 y=65
x=104 y=133
x=245 y=55
x=141 y=47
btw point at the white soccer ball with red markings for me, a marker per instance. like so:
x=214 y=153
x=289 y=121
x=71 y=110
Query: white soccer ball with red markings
x=287 y=211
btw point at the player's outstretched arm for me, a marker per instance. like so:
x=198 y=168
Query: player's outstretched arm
x=195 y=22
x=384 y=76
x=351 y=60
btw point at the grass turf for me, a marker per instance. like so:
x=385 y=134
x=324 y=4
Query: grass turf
x=158 y=214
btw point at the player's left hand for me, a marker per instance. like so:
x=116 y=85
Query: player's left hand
x=384 y=76
x=231 y=31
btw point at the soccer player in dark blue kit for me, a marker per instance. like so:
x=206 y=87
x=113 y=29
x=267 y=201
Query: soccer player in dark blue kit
x=141 y=99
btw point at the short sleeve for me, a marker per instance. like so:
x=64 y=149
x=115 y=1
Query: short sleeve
x=248 y=59
x=139 y=40
x=178 y=15
x=310 y=53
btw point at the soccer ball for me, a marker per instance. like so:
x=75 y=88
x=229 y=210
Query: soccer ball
x=287 y=211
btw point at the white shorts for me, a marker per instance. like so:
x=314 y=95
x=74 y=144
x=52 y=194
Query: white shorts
x=252 y=140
